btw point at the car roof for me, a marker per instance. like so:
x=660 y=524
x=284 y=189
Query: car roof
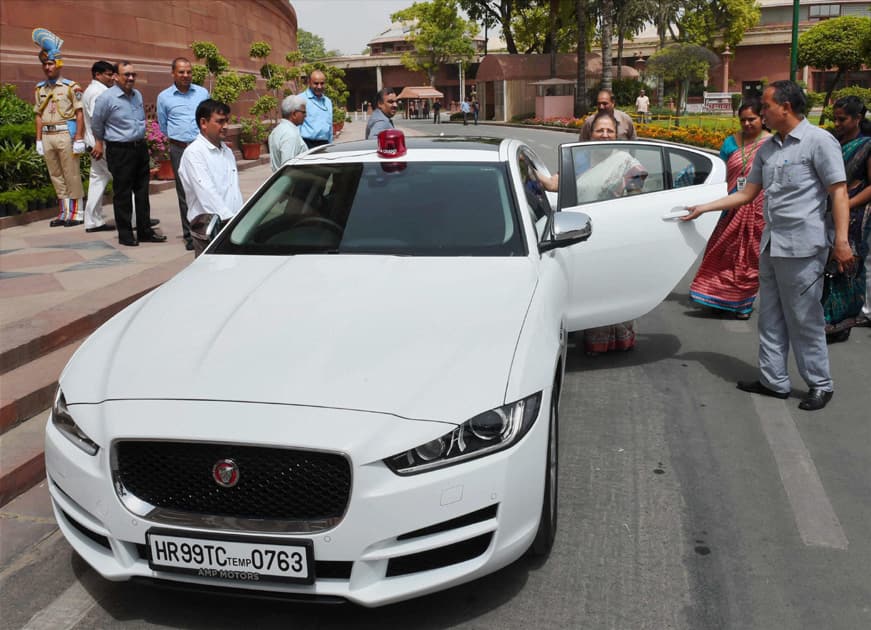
x=441 y=143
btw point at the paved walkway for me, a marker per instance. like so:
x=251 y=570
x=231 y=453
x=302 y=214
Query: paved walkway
x=56 y=286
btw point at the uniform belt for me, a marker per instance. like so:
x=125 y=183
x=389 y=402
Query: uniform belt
x=178 y=143
x=54 y=128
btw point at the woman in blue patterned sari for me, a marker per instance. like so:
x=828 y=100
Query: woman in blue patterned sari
x=845 y=292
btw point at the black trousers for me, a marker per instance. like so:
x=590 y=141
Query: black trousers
x=175 y=153
x=311 y=144
x=128 y=163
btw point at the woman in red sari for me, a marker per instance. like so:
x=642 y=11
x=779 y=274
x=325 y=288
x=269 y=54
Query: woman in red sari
x=728 y=278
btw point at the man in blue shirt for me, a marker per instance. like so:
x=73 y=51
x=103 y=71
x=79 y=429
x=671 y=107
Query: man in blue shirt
x=119 y=132
x=176 y=115
x=318 y=126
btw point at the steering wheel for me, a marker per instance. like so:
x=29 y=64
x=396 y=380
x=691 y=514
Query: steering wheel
x=321 y=222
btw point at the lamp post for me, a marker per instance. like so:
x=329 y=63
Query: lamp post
x=727 y=54
x=793 y=58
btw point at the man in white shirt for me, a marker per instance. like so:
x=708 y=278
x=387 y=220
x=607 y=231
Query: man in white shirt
x=285 y=141
x=208 y=173
x=103 y=74
x=642 y=106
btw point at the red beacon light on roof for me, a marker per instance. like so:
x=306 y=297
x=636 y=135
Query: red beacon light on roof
x=391 y=143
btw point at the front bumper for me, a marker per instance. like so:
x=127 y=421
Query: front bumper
x=400 y=536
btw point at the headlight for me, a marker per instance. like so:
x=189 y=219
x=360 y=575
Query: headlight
x=486 y=433
x=63 y=421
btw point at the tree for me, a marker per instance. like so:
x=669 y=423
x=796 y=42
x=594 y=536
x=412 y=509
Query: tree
x=681 y=62
x=493 y=12
x=439 y=36
x=716 y=24
x=537 y=27
x=837 y=43
x=310 y=45
x=224 y=86
x=582 y=17
x=630 y=18
x=607 y=35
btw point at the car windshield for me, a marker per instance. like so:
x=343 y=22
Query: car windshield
x=406 y=209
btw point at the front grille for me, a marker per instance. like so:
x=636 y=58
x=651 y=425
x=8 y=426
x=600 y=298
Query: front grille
x=275 y=484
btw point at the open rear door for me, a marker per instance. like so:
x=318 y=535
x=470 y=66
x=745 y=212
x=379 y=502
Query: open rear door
x=635 y=193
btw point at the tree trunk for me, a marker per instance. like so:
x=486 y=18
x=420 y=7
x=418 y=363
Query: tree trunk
x=620 y=56
x=581 y=105
x=832 y=87
x=607 y=55
x=554 y=9
x=505 y=12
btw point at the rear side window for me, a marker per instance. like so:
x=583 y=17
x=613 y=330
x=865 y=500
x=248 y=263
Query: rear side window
x=409 y=208
x=609 y=171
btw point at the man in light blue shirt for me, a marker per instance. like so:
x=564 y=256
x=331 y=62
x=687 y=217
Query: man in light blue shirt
x=285 y=141
x=119 y=131
x=176 y=115
x=318 y=126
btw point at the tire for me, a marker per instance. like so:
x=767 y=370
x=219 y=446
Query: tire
x=546 y=534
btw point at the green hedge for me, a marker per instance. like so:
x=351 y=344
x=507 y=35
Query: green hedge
x=24 y=133
x=44 y=196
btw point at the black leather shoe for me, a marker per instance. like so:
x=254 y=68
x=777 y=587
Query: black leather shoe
x=155 y=222
x=129 y=242
x=189 y=245
x=56 y=222
x=755 y=387
x=154 y=237
x=815 y=399
x=101 y=228
x=72 y=223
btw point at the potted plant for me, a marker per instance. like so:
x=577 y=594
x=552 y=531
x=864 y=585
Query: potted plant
x=158 y=150
x=339 y=115
x=252 y=135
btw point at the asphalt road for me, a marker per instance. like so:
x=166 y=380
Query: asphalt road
x=684 y=503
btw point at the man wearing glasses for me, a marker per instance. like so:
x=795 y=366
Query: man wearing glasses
x=318 y=126
x=285 y=141
x=605 y=103
x=119 y=132
x=385 y=110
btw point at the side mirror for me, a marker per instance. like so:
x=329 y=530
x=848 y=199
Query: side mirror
x=567 y=228
x=213 y=227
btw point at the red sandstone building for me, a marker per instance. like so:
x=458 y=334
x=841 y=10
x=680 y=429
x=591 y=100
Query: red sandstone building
x=147 y=33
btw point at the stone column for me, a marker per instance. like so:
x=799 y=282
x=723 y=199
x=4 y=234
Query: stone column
x=727 y=54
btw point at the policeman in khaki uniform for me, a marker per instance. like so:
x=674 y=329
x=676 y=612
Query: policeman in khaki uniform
x=60 y=129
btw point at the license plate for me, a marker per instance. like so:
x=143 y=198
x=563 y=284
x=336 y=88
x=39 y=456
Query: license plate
x=232 y=557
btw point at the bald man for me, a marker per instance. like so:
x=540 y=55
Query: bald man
x=318 y=126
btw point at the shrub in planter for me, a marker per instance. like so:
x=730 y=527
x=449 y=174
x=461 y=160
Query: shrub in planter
x=253 y=131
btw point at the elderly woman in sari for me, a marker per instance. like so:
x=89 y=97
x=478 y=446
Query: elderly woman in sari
x=728 y=278
x=845 y=292
x=610 y=174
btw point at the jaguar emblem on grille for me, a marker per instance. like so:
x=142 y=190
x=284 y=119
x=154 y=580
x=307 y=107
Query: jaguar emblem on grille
x=226 y=473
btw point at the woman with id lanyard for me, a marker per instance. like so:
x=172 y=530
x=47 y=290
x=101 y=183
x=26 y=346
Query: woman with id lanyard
x=728 y=278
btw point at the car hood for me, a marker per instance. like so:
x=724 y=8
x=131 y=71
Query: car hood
x=424 y=338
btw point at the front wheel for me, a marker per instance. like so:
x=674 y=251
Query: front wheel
x=544 y=537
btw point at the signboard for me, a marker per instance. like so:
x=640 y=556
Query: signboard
x=720 y=102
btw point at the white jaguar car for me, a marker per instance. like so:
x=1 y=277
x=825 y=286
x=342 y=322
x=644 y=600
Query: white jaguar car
x=353 y=394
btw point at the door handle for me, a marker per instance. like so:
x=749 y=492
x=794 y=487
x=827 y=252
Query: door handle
x=676 y=213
